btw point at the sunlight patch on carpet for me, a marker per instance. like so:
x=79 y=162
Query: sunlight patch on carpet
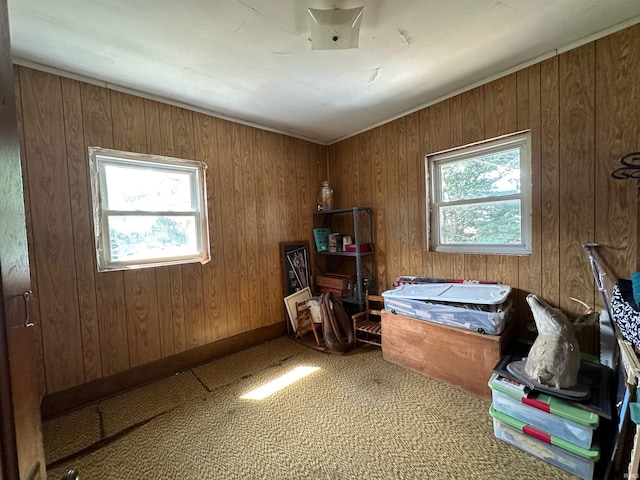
x=279 y=383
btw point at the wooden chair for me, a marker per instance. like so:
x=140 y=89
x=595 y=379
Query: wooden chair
x=304 y=321
x=367 y=327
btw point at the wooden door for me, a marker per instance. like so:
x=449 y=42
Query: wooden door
x=21 y=448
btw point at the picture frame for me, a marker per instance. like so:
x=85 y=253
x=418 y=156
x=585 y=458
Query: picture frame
x=290 y=303
x=296 y=274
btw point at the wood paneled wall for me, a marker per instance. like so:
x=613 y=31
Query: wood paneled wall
x=583 y=110
x=262 y=190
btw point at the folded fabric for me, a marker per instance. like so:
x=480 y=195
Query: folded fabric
x=624 y=312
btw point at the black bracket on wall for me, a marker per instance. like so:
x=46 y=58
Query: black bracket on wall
x=630 y=167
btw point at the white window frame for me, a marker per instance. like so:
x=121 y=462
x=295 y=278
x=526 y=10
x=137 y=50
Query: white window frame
x=520 y=140
x=99 y=158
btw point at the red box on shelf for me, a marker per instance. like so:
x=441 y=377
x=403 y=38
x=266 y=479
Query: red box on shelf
x=364 y=247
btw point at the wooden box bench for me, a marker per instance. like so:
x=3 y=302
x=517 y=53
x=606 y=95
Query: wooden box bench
x=461 y=358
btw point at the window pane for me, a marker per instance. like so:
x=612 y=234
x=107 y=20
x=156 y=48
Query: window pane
x=496 y=174
x=147 y=189
x=139 y=237
x=492 y=223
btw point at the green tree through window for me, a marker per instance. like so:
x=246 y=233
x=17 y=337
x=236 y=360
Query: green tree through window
x=477 y=196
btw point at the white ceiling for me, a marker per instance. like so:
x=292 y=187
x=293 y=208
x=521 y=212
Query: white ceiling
x=251 y=60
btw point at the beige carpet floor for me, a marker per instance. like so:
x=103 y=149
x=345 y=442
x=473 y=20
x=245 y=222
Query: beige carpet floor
x=357 y=417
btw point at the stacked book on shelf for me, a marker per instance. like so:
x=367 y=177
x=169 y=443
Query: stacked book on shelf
x=559 y=431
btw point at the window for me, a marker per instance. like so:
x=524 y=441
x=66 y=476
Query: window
x=480 y=197
x=148 y=210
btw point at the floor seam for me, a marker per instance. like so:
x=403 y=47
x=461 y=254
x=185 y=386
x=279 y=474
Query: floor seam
x=103 y=442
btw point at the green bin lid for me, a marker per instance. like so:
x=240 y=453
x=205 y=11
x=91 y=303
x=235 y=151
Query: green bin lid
x=592 y=454
x=544 y=402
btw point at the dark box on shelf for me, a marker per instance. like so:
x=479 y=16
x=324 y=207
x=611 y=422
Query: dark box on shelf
x=335 y=281
x=364 y=247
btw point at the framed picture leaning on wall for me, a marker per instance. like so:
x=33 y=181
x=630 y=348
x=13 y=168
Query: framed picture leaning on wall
x=294 y=257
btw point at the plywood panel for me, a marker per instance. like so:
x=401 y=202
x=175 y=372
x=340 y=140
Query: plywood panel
x=260 y=157
x=343 y=186
x=501 y=107
x=529 y=266
x=403 y=200
x=241 y=229
x=550 y=181
x=472 y=111
x=195 y=328
x=577 y=121
x=171 y=276
x=335 y=161
x=83 y=238
x=424 y=148
x=273 y=173
x=439 y=126
x=473 y=115
x=129 y=134
x=393 y=225
x=501 y=118
x=291 y=218
x=110 y=298
x=248 y=164
x=178 y=309
x=457 y=261
x=357 y=172
x=229 y=236
x=307 y=191
x=379 y=204
x=457 y=122
x=43 y=116
x=213 y=280
x=415 y=197
x=364 y=188
x=617 y=133
x=114 y=340
x=154 y=140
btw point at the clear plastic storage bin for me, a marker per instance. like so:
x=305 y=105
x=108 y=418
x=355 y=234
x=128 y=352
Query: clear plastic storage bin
x=577 y=461
x=551 y=414
x=579 y=434
x=476 y=307
x=492 y=323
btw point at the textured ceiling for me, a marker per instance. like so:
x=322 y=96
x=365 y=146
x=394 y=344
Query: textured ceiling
x=251 y=60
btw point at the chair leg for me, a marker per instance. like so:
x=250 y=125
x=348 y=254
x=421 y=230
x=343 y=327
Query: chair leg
x=315 y=332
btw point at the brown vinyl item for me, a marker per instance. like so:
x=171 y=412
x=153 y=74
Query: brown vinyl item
x=368 y=322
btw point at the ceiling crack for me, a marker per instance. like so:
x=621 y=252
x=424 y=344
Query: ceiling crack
x=250 y=7
x=241 y=24
x=405 y=35
x=374 y=74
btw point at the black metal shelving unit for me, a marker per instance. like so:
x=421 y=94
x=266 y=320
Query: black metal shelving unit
x=358 y=214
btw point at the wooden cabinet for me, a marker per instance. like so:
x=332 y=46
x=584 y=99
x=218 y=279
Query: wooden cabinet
x=461 y=358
